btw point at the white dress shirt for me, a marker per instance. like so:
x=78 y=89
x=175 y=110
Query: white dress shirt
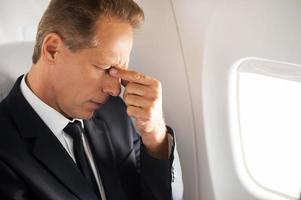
x=56 y=122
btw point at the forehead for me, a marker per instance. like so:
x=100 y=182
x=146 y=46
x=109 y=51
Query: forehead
x=109 y=30
x=112 y=40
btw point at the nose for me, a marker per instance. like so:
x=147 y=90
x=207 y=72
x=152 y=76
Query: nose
x=111 y=86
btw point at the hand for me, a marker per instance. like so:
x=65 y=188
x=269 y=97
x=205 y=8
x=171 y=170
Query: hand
x=143 y=97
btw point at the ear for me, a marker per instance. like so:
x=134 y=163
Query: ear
x=52 y=45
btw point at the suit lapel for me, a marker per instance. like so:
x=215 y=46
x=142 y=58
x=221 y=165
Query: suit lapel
x=52 y=154
x=46 y=148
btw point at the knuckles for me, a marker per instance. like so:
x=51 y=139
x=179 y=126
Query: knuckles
x=157 y=84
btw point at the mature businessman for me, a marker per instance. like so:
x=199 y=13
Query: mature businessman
x=65 y=132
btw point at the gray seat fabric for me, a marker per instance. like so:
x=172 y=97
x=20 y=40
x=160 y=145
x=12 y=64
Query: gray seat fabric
x=15 y=60
x=19 y=19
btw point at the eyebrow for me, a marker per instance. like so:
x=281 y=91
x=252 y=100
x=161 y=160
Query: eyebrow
x=108 y=62
x=104 y=62
x=106 y=65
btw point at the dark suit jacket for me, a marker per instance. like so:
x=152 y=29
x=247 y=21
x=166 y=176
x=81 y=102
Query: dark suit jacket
x=34 y=165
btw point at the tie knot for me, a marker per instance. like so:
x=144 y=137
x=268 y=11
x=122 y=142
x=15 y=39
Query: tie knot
x=74 y=129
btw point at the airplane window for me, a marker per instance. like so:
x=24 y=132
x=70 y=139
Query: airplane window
x=269 y=105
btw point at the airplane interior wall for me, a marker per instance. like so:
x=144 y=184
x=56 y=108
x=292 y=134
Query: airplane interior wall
x=203 y=40
x=192 y=46
x=239 y=29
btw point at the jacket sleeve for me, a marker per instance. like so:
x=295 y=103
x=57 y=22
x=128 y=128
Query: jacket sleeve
x=159 y=179
x=149 y=178
x=11 y=186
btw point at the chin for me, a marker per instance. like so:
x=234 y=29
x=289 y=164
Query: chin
x=85 y=115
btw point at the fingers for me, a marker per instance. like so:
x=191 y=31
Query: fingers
x=138 y=101
x=131 y=76
x=143 y=98
x=141 y=114
x=141 y=95
x=140 y=90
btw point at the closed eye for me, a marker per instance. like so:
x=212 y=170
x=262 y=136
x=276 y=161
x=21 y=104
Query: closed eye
x=105 y=68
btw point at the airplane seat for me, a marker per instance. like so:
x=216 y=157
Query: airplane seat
x=15 y=61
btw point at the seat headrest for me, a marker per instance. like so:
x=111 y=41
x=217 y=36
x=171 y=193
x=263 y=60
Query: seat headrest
x=15 y=60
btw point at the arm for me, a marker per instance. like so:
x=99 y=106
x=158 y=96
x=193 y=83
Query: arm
x=143 y=99
x=159 y=179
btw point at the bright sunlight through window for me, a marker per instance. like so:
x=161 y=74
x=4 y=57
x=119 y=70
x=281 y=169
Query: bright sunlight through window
x=270 y=122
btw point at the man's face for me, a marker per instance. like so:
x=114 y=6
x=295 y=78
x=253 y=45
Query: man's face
x=80 y=81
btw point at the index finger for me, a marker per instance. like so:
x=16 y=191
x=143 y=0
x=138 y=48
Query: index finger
x=131 y=76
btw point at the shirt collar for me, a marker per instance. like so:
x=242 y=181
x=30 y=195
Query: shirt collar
x=55 y=121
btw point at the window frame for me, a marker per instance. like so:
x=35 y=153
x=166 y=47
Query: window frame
x=253 y=65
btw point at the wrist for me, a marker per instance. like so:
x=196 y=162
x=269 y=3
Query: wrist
x=155 y=137
x=156 y=145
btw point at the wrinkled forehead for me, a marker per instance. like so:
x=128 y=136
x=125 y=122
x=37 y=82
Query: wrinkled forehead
x=111 y=57
x=113 y=40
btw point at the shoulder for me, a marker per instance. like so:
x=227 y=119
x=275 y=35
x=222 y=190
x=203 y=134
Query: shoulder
x=5 y=118
x=10 y=138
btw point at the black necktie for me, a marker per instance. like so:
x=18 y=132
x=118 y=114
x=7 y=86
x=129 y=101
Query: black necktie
x=75 y=130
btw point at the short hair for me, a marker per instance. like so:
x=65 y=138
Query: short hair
x=75 y=20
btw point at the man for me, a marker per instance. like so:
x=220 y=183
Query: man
x=65 y=133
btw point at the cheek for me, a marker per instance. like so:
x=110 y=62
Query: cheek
x=68 y=84
x=88 y=86
x=94 y=78
x=78 y=84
